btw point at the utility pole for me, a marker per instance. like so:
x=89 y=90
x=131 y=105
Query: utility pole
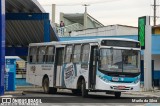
x=154 y=12
x=154 y=23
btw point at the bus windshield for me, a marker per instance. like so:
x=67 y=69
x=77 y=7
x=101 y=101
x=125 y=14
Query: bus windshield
x=116 y=60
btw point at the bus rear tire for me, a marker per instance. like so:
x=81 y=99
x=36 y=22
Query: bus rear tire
x=83 y=89
x=117 y=94
x=46 y=87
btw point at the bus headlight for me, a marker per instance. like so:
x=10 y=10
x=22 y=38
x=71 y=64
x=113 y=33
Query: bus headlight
x=136 y=81
x=107 y=81
x=104 y=79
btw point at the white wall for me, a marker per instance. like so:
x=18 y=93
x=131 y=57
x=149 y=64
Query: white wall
x=124 y=30
x=111 y=30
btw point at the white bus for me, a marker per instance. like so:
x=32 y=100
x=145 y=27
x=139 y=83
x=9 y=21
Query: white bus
x=108 y=65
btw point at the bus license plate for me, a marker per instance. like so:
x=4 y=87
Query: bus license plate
x=121 y=87
x=115 y=79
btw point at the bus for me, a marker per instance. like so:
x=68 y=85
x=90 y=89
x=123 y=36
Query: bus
x=110 y=65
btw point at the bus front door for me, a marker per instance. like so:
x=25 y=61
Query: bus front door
x=93 y=67
x=58 y=66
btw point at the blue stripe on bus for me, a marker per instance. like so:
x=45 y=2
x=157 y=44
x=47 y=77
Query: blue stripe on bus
x=121 y=79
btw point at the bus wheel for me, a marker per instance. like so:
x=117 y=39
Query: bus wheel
x=46 y=85
x=83 y=89
x=117 y=94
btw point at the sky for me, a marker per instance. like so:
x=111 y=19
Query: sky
x=108 y=12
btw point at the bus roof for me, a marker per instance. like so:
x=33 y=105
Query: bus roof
x=95 y=40
x=79 y=41
x=44 y=43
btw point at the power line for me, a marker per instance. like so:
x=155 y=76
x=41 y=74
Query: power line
x=76 y=4
x=99 y=2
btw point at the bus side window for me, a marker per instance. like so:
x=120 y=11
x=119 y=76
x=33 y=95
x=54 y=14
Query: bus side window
x=50 y=54
x=68 y=54
x=76 y=53
x=41 y=54
x=85 y=55
x=33 y=55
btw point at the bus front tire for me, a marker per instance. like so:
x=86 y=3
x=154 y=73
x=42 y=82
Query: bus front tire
x=46 y=87
x=83 y=89
x=117 y=94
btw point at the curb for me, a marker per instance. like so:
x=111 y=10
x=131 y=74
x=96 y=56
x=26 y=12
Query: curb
x=21 y=89
x=28 y=87
x=6 y=96
x=13 y=92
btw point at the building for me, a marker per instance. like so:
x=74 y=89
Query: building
x=156 y=29
x=77 y=21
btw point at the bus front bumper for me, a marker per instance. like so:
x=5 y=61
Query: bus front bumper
x=115 y=86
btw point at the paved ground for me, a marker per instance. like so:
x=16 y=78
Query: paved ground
x=66 y=98
x=34 y=89
x=155 y=93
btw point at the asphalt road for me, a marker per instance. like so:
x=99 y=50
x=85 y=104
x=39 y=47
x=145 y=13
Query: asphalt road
x=66 y=98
